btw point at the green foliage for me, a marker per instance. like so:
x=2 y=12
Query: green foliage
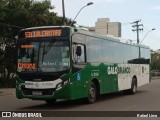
x=155 y=61
x=7 y=84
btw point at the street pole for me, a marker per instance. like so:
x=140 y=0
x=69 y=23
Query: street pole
x=63 y=9
x=137 y=25
x=147 y=34
x=137 y=29
x=90 y=3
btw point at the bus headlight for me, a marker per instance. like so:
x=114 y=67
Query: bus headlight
x=59 y=86
x=66 y=82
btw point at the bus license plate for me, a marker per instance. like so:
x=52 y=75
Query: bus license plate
x=37 y=93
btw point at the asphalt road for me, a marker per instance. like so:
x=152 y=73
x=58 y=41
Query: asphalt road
x=146 y=99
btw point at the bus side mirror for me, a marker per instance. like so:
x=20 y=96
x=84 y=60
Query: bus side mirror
x=78 y=50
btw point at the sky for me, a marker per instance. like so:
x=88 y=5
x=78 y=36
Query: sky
x=124 y=11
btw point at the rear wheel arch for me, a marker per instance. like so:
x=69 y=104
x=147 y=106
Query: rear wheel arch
x=93 y=92
x=134 y=79
x=96 y=82
x=134 y=85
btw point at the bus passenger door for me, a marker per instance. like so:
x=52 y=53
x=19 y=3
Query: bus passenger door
x=79 y=63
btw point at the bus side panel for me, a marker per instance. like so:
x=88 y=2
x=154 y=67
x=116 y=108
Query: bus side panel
x=104 y=74
x=125 y=76
x=141 y=71
x=109 y=82
x=144 y=77
x=80 y=81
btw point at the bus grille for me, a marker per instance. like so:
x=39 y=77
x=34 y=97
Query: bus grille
x=43 y=91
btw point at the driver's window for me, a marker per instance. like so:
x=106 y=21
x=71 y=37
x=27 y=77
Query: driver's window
x=78 y=52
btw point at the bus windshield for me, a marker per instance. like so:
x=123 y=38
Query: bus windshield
x=43 y=56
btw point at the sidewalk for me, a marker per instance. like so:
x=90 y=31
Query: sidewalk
x=7 y=91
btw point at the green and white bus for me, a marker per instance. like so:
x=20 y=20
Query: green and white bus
x=62 y=62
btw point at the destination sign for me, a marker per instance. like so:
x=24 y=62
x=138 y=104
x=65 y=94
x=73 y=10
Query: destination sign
x=27 y=46
x=26 y=65
x=43 y=33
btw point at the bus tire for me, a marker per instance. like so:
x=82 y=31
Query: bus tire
x=133 y=89
x=50 y=102
x=92 y=94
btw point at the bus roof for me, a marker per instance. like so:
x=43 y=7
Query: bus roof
x=109 y=37
x=43 y=27
x=89 y=33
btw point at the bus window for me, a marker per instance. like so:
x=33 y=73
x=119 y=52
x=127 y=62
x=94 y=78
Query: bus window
x=78 y=51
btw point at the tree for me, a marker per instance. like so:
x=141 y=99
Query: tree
x=155 y=61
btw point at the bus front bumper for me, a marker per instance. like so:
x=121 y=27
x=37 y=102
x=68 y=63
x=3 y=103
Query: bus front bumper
x=35 y=91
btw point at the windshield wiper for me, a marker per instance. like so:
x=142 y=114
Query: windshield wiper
x=43 y=52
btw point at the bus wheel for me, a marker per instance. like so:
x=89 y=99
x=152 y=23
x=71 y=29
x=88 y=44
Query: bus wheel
x=133 y=89
x=50 y=102
x=92 y=94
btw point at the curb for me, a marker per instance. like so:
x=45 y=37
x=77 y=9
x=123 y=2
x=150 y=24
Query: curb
x=4 y=92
